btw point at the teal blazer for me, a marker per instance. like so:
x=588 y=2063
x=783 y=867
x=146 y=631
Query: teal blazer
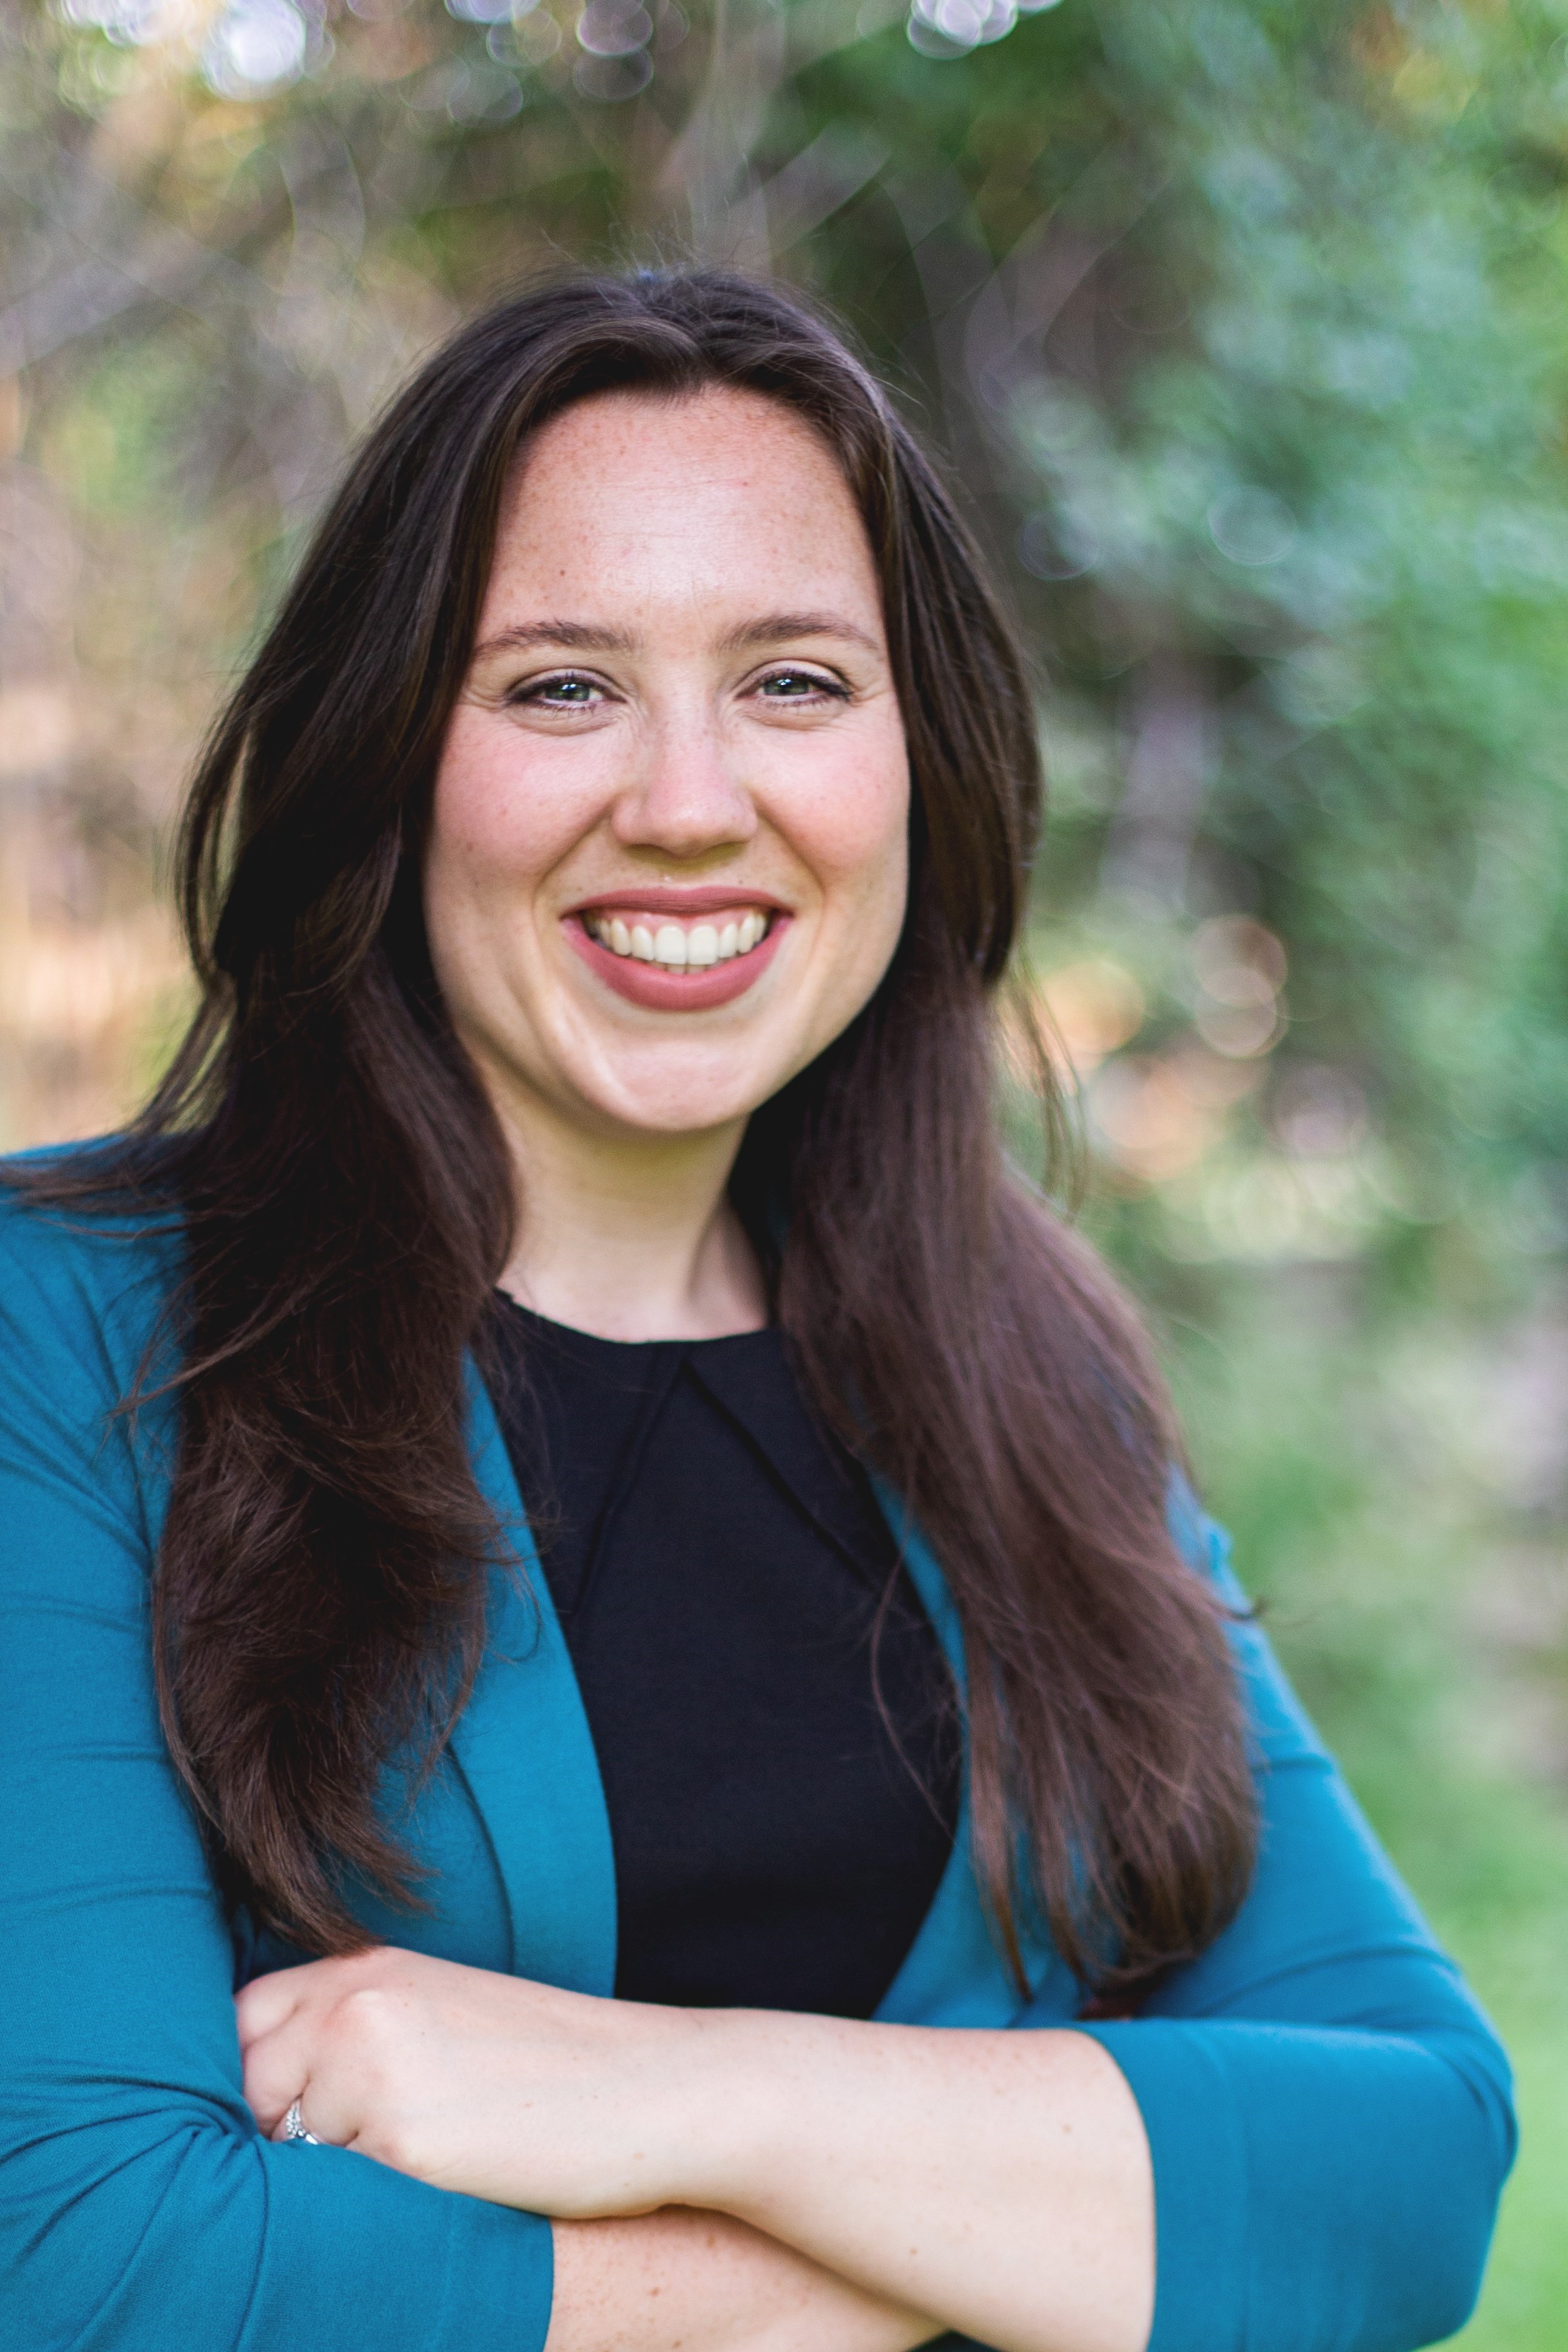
x=1328 y=2109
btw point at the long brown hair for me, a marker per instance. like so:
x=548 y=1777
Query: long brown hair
x=320 y=1599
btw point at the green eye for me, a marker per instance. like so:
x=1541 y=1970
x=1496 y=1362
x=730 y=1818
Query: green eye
x=573 y=691
x=790 y=685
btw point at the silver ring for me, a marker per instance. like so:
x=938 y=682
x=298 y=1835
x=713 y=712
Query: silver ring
x=294 y=2127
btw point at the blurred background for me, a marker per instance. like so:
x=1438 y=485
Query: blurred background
x=1244 y=327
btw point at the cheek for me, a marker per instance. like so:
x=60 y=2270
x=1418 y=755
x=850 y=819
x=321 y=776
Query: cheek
x=499 y=818
x=855 y=832
x=491 y=838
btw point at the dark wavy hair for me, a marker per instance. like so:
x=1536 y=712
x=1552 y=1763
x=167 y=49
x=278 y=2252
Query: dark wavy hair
x=319 y=1600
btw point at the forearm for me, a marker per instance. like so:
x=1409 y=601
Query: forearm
x=707 y=2283
x=1001 y=2180
x=1000 y=2183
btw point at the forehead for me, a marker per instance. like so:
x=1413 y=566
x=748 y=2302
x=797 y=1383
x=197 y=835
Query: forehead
x=715 y=495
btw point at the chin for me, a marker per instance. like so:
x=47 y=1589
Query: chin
x=691 y=1102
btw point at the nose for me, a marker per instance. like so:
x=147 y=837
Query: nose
x=687 y=799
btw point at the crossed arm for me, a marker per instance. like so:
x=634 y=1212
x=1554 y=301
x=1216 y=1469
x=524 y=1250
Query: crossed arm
x=1329 y=2111
x=737 y=2180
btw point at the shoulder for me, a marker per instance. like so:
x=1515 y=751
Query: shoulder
x=84 y=1284
x=1283 y=1732
x=84 y=1298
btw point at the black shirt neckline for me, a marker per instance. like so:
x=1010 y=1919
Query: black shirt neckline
x=739 y=1373
x=769 y=1704
x=572 y=1334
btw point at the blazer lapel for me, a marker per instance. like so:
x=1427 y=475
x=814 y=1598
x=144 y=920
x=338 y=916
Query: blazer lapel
x=954 y=1972
x=523 y=1746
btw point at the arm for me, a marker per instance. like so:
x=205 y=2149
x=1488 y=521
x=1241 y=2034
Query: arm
x=1325 y=2110
x=999 y=2182
x=707 y=2284
x=1003 y=2183
x=141 y=2207
x=1329 y=2111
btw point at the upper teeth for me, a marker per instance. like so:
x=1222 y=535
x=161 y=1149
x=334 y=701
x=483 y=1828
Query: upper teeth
x=671 y=944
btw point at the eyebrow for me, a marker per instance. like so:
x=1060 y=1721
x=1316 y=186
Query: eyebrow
x=583 y=636
x=580 y=636
x=775 y=626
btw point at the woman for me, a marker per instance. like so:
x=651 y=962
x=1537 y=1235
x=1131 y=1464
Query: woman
x=734 y=1929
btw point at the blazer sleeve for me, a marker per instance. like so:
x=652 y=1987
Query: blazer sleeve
x=1328 y=2109
x=141 y=2208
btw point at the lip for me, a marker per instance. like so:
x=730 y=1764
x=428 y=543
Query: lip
x=673 y=899
x=652 y=985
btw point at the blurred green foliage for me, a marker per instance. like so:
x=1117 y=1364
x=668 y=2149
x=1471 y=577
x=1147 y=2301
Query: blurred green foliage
x=1243 y=324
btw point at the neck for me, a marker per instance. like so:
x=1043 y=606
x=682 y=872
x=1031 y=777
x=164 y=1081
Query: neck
x=633 y=1238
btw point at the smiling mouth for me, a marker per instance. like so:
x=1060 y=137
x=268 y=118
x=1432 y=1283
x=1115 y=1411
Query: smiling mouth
x=696 y=946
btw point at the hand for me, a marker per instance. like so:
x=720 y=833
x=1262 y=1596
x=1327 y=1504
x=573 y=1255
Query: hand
x=557 y=2102
x=1000 y=2182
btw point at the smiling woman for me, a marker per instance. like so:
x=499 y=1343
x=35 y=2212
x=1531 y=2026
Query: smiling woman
x=620 y=1730
x=676 y=772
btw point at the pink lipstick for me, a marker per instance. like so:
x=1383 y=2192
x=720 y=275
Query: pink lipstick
x=678 y=951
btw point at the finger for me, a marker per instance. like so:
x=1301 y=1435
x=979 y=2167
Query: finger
x=277 y=2068
x=263 y=2005
x=280 y=2131
x=308 y=2105
x=266 y=2003
x=327 y=2108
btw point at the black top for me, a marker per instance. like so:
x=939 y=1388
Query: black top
x=718 y=1565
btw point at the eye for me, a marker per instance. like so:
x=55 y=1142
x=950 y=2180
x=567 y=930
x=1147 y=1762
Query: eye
x=566 y=691
x=800 y=686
